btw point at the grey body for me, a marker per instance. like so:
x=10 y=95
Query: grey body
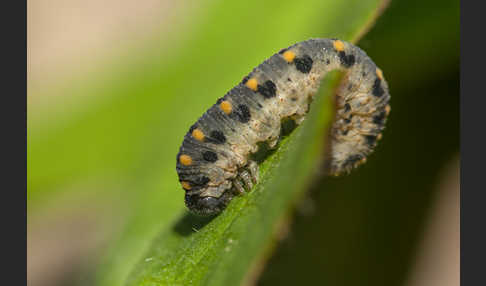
x=247 y=115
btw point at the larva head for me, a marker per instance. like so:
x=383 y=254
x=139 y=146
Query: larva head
x=206 y=197
x=207 y=190
x=206 y=205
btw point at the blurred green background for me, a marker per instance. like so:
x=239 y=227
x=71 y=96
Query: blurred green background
x=100 y=72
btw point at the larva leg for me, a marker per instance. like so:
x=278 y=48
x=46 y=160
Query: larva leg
x=299 y=120
x=253 y=168
x=272 y=143
x=238 y=186
x=246 y=178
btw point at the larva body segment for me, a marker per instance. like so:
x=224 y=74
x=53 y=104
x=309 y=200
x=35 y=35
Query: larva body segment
x=213 y=161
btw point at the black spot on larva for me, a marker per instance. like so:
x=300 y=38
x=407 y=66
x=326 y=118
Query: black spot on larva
x=377 y=89
x=288 y=79
x=217 y=137
x=378 y=119
x=245 y=79
x=328 y=61
x=346 y=60
x=267 y=89
x=347 y=120
x=370 y=139
x=363 y=74
x=282 y=51
x=352 y=159
x=210 y=156
x=347 y=107
x=345 y=132
x=259 y=105
x=199 y=182
x=303 y=64
x=243 y=113
x=192 y=128
x=350 y=86
x=219 y=100
x=293 y=98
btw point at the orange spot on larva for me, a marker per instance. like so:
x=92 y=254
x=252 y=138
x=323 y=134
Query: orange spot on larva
x=198 y=134
x=185 y=160
x=289 y=56
x=379 y=73
x=186 y=185
x=226 y=107
x=338 y=45
x=252 y=84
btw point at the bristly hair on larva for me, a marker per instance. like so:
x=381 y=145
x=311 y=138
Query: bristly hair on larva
x=214 y=161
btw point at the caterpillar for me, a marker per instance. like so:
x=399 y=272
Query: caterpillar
x=214 y=163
